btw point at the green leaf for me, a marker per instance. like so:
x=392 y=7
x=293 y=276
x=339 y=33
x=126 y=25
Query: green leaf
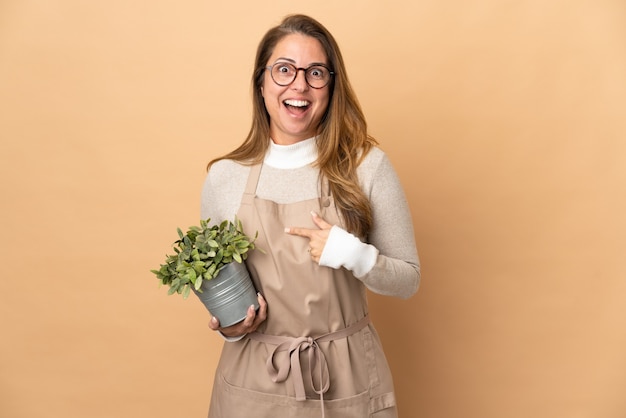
x=191 y=275
x=195 y=255
x=219 y=256
x=243 y=243
x=211 y=270
x=198 y=266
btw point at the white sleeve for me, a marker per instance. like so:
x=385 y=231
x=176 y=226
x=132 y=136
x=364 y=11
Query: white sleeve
x=231 y=339
x=343 y=249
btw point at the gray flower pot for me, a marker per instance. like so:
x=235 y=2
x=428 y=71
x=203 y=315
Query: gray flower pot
x=229 y=295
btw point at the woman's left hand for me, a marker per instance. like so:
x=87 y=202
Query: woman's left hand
x=317 y=237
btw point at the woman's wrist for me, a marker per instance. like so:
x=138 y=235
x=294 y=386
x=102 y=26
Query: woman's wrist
x=231 y=339
x=343 y=249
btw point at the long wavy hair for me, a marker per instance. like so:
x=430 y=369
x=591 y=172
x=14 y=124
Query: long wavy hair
x=342 y=138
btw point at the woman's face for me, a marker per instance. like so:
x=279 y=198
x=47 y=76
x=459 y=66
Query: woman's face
x=297 y=109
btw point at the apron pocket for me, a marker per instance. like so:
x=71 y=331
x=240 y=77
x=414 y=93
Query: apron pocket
x=384 y=406
x=233 y=401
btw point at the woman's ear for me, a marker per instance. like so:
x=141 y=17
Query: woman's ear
x=262 y=92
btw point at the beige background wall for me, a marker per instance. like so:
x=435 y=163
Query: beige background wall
x=504 y=119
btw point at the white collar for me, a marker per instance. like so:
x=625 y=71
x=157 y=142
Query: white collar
x=291 y=156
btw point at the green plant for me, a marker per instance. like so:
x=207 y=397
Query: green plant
x=201 y=252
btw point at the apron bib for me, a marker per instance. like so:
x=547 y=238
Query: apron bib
x=316 y=354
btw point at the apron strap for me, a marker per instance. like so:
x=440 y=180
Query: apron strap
x=317 y=362
x=253 y=179
x=325 y=192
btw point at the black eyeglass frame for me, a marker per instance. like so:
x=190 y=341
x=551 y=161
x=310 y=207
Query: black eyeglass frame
x=306 y=78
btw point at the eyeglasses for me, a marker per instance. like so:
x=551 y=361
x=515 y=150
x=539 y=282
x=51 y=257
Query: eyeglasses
x=316 y=76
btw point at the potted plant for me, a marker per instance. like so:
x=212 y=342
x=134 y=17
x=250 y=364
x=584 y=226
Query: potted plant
x=209 y=261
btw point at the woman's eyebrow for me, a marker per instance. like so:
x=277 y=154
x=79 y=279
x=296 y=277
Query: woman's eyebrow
x=285 y=59
x=294 y=61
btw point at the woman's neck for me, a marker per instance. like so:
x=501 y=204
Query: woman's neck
x=296 y=155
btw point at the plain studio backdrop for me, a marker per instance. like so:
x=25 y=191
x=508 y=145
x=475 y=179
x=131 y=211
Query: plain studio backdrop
x=506 y=121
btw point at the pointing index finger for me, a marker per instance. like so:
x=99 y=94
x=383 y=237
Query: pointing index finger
x=303 y=232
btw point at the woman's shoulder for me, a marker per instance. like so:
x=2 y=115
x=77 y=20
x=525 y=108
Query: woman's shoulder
x=224 y=169
x=375 y=154
x=373 y=161
x=375 y=168
x=222 y=190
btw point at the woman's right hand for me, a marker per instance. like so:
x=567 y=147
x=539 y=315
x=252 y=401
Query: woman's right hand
x=248 y=325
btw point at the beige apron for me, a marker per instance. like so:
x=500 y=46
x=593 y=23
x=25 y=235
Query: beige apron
x=316 y=354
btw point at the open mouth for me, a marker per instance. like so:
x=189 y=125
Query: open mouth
x=299 y=106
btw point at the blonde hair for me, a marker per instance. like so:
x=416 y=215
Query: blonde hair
x=342 y=137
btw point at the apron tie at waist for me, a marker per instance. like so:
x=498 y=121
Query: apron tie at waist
x=317 y=365
x=316 y=358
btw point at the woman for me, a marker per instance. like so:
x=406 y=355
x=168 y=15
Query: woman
x=332 y=220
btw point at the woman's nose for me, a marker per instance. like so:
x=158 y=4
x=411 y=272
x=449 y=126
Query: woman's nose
x=300 y=83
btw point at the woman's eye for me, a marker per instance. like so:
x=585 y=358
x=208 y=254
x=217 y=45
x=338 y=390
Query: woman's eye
x=317 y=72
x=284 y=69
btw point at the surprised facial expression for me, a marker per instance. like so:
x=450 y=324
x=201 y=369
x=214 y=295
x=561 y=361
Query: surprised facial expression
x=296 y=109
